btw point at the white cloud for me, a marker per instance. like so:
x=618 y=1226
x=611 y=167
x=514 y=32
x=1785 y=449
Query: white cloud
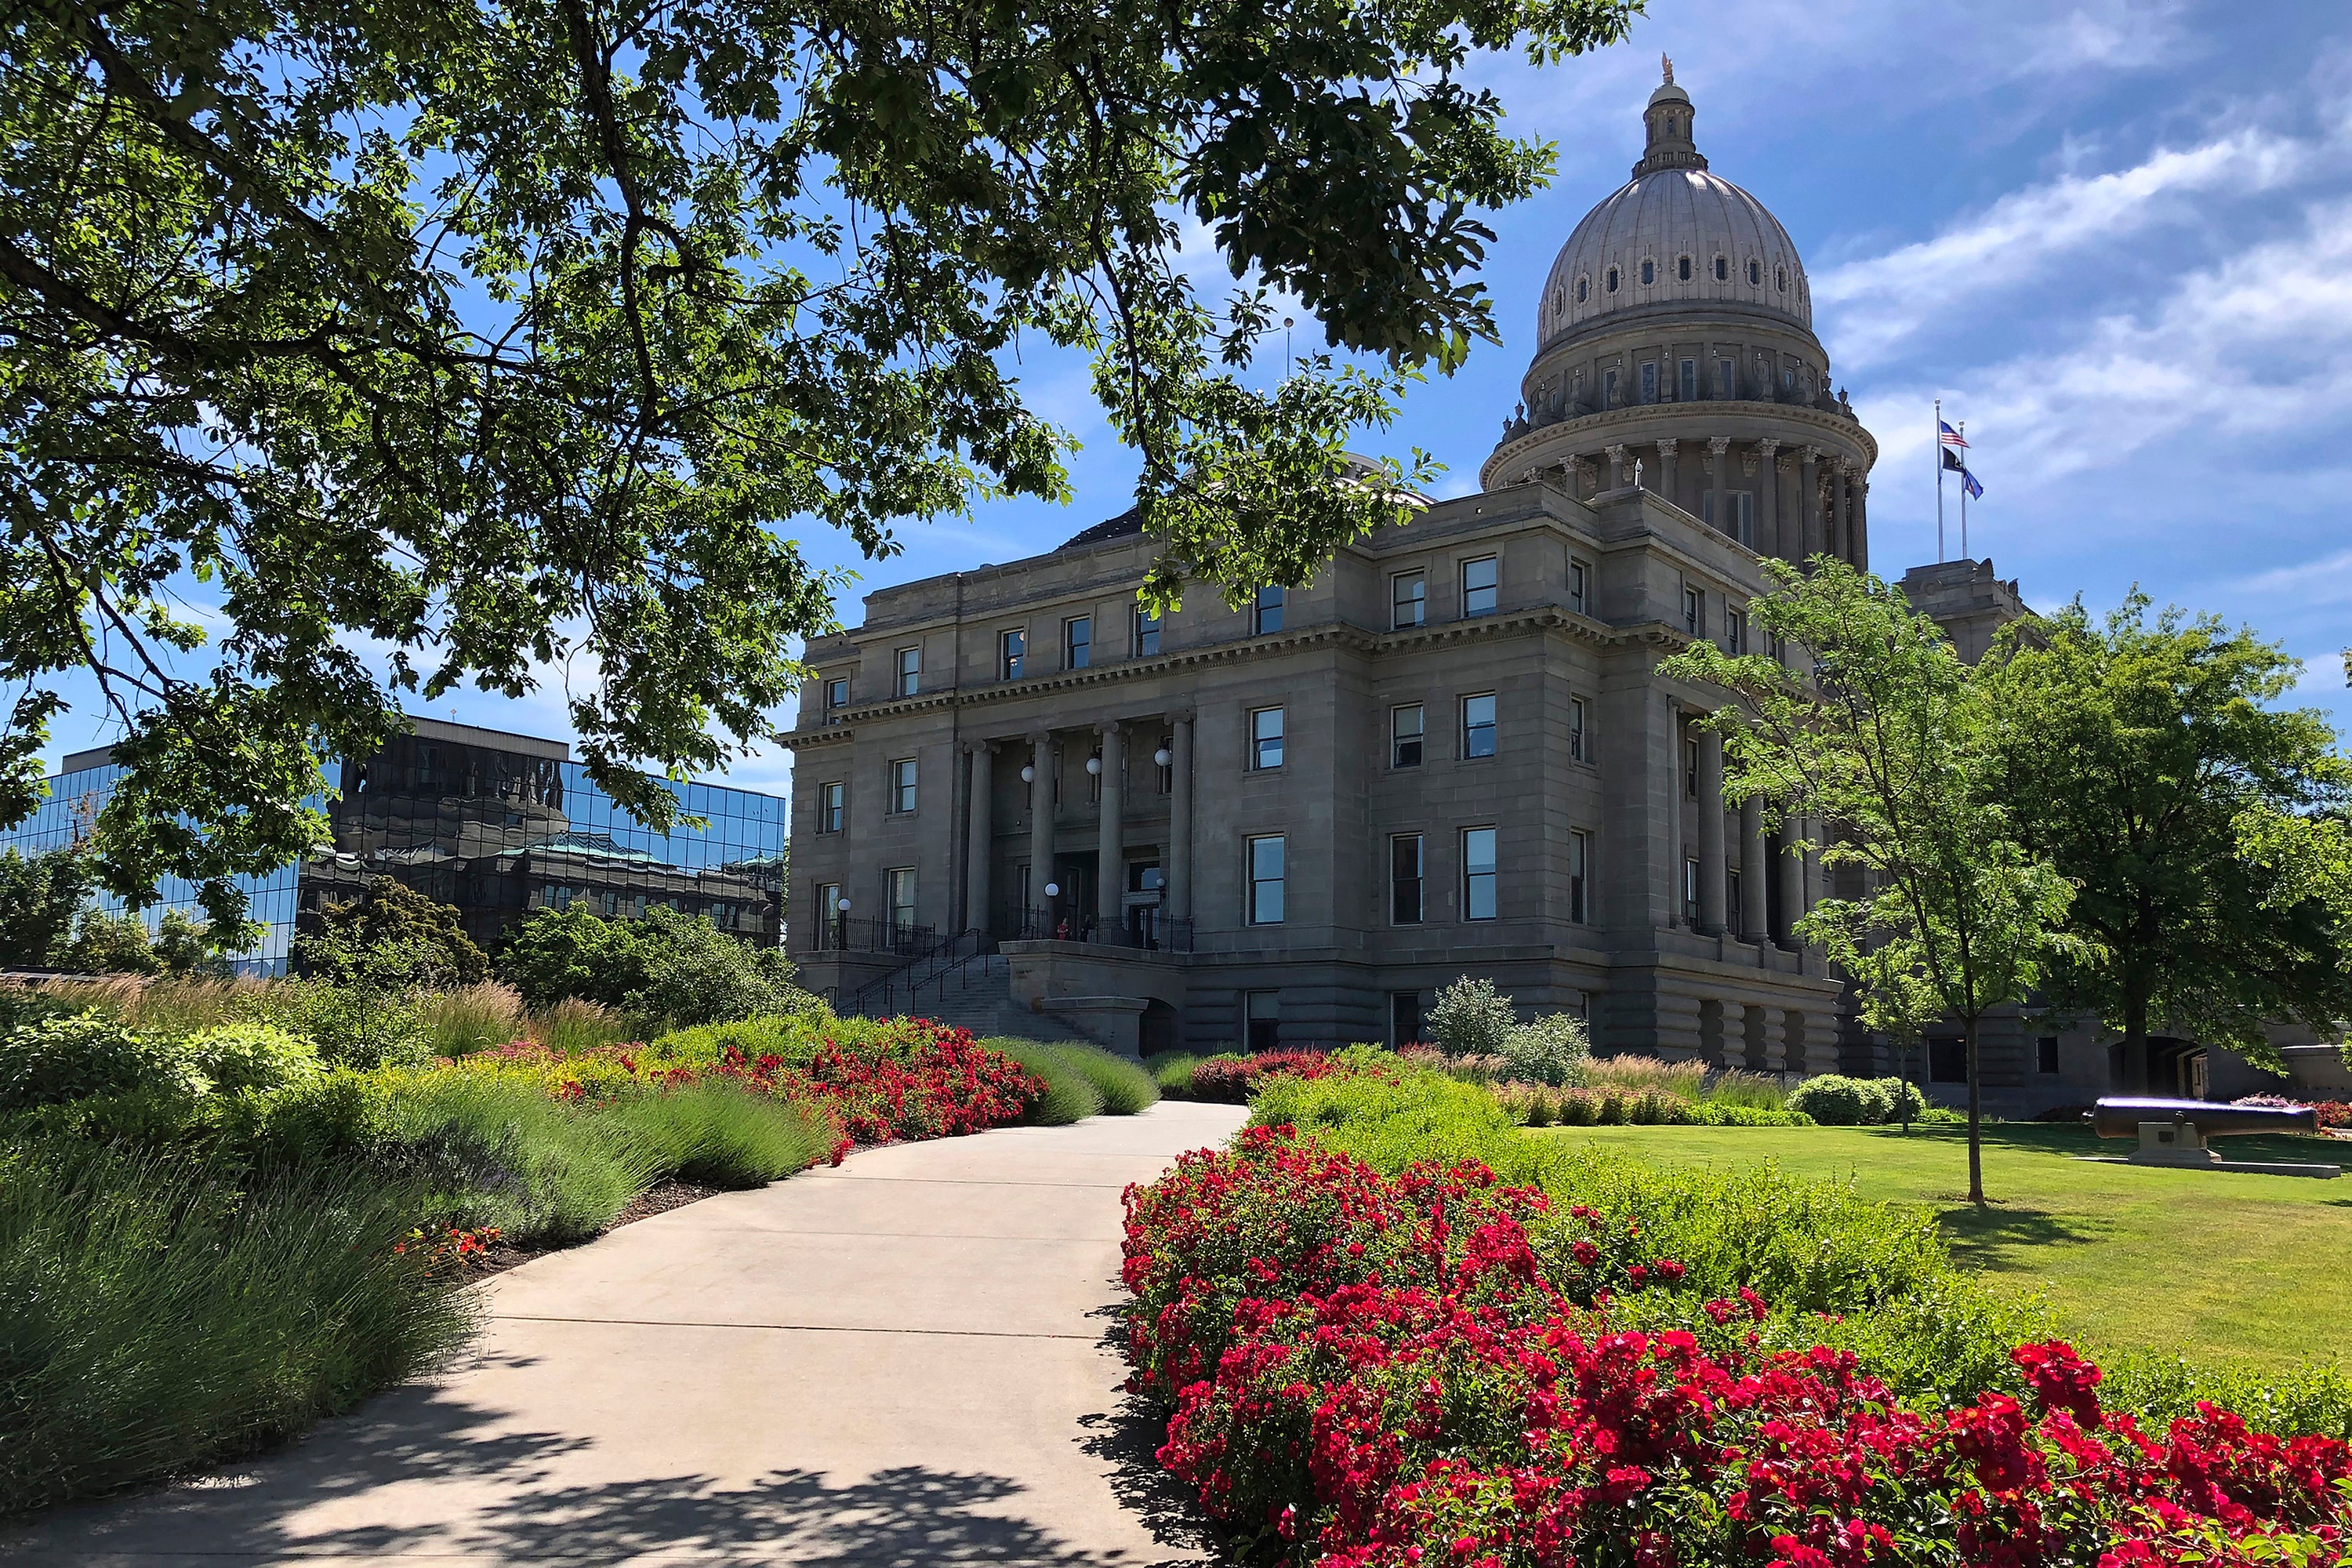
x=2252 y=352
x=1875 y=304
x=2326 y=581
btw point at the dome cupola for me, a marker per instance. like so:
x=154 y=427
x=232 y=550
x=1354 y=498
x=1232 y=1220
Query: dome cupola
x=1673 y=234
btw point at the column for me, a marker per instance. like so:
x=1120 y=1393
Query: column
x=1861 y=539
x=1809 y=504
x=1840 y=493
x=1755 y=865
x=1768 y=501
x=981 y=836
x=1792 y=880
x=1041 y=826
x=1110 y=841
x=1718 y=464
x=1665 y=486
x=1616 y=467
x=1677 y=839
x=1711 y=865
x=1177 y=875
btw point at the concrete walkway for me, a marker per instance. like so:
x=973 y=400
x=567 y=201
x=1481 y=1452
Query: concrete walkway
x=900 y=1362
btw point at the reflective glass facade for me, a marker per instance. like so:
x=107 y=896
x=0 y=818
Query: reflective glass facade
x=495 y=824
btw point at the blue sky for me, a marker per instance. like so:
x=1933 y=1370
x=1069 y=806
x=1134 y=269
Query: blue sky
x=2115 y=237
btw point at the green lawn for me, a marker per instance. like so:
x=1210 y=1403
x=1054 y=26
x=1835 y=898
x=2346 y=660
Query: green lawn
x=2200 y=1263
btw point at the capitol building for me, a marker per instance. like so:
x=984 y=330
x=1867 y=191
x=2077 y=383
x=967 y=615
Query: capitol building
x=1451 y=753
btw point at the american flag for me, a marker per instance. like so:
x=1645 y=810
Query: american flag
x=1951 y=438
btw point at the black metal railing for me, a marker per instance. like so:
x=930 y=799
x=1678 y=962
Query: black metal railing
x=1142 y=929
x=848 y=934
x=894 y=992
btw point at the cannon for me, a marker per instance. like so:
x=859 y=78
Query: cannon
x=2173 y=1132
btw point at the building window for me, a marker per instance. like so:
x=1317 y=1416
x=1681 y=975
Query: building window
x=1408 y=600
x=1723 y=270
x=902 y=785
x=1726 y=380
x=1650 y=380
x=1608 y=389
x=1755 y=272
x=2045 y=1053
x=899 y=885
x=1580 y=872
x=1780 y=278
x=1579 y=588
x=1405 y=869
x=829 y=913
x=1577 y=714
x=1690 y=769
x=1477 y=873
x=1265 y=881
x=1478 y=586
x=1683 y=268
x=1406 y=730
x=909 y=671
x=1146 y=632
x=1262 y=1020
x=1694 y=612
x=1731 y=900
x=1478 y=725
x=1404 y=1019
x=1690 y=893
x=1613 y=281
x=1266 y=615
x=831 y=800
x=1735 y=633
x=1583 y=287
x=1689 y=387
x=1948 y=1058
x=1265 y=739
x=1649 y=272
x=1011 y=650
x=1077 y=642
x=836 y=696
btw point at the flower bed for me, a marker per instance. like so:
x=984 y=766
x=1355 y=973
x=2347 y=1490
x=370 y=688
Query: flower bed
x=1231 y=1080
x=1366 y=1370
x=912 y=1080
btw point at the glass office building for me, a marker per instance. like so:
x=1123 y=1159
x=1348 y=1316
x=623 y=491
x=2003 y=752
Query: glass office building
x=493 y=823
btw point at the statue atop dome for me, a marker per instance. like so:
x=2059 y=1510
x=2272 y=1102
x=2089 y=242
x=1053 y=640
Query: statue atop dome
x=1667 y=61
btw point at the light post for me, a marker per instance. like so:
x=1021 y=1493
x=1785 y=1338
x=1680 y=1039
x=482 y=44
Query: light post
x=841 y=925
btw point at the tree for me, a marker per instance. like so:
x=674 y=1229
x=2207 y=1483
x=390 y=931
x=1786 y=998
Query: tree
x=442 y=343
x=109 y=943
x=2146 y=761
x=1889 y=740
x=390 y=937
x=39 y=897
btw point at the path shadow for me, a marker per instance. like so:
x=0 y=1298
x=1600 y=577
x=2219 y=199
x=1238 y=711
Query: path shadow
x=905 y=1517
x=1126 y=1437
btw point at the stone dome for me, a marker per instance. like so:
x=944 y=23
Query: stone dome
x=1673 y=234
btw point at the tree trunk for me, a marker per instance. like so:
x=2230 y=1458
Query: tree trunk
x=2135 y=1045
x=1975 y=1120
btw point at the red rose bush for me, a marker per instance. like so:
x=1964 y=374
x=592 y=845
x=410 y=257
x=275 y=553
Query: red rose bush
x=1434 y=1368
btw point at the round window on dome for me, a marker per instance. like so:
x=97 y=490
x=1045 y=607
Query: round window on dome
x=1723 y=270
x=1649 y=272
x=1583 y=288
x=1780 y=278
x=1755 y=273
x=1681 y=268
x=1613 y=281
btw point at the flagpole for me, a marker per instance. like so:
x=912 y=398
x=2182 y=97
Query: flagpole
x=1964 y=500
x=1939 y=434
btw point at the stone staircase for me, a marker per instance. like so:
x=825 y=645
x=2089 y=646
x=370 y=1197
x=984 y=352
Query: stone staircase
x=984 y=1004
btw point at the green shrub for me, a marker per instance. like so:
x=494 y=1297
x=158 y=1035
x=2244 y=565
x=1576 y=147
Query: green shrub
x=497 y=1150
x=1835 y=1101
x=665 y=966
x=786 y=1036
x=157 y=1314
x=252 y=1056
x=1552 y=1049
x=1070 y=1092
x=353 y=1025
x=1172 y=1071
x=50 y=1060
x=718 y=1135
x=1471 y=1019
x=390 y=937
x=1122 y=1084
x=469 y=1018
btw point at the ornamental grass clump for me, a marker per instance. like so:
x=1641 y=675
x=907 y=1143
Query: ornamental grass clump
x=1371 y=1369
x=158 y=1314
x=1070 y=1094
